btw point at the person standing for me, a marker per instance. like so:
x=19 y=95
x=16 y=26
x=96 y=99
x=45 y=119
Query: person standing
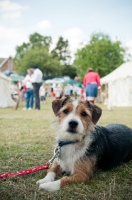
x=36 y=81
x=71 y=90
x=29 y=90
x=42 y=93
x=76 y=90
x=59 y=92
x=82 y=94
x=91 y=82
x=67 y=91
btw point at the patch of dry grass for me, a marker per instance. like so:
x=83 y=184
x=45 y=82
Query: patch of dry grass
x=27 y=140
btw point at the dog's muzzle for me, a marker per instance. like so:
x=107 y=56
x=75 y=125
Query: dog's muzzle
x=72 y=126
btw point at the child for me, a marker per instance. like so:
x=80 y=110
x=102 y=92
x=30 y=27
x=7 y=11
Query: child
x=59 y=92
x=82 y=94
x=42 y=93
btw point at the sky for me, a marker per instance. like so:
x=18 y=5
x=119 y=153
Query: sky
x=75 y=20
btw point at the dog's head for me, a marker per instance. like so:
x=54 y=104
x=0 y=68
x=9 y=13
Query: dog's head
x=75 y=118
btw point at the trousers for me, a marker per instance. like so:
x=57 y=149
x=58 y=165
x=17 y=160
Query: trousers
x=36 y=87
x=29 y=98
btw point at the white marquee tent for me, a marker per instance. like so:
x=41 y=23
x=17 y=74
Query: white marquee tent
x=119 y=85
x=5 y=96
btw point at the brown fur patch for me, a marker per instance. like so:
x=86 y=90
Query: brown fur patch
x=55 y=168
x=84 y=115
x=95 y=111
x=83 y=172
x=80 y=110
x=65 y=111
x=58 y=104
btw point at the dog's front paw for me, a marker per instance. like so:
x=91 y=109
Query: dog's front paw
x=51 y=186
x=48 y=178
x=41 y=181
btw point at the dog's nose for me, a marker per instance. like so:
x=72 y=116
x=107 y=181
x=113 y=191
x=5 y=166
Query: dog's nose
x=73 y=124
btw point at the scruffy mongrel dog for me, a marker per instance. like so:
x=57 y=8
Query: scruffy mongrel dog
x=86 y=146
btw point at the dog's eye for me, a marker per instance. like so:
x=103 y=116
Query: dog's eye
x=84 y=114
x=66 y=111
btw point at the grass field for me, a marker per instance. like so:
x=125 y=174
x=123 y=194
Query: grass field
x=27 y=140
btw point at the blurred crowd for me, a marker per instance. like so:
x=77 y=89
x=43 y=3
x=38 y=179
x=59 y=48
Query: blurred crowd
x=34 y=91
x=58 y=91
x=75 y=91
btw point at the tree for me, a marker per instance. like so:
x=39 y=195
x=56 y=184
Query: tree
x=61 y=51
x=56 y=62
x=36 y=51
x=40 y=41
x=42 y=58
x=69 y=70
x=101 y=54
x=35 y=40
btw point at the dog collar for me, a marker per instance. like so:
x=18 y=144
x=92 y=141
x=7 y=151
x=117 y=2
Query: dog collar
x=63 y=143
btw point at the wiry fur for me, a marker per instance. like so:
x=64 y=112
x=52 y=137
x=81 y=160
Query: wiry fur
x=97 y=147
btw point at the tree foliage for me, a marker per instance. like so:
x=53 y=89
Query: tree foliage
x=37 y=51
x=40 y=41
x=69 y=70
x=101 y=54
x=35 y=40
x=42 y=58
x=61 y=51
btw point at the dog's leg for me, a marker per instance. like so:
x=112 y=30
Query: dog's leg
x=56 y=185
x=52 y=172
x=83 y=173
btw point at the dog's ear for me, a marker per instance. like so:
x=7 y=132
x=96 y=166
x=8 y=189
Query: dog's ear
x=95 y=111
x=58 y=104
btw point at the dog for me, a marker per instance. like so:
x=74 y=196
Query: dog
x=87 y=147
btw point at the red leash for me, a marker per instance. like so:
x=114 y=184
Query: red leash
x=24 y=172
x=34 y=169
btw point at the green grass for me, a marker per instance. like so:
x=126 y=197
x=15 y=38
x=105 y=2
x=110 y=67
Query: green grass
x=27 y=140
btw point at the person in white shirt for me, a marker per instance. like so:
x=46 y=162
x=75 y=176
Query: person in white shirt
x=29 y=90
x=76 y=91
x=42 y=93
x=71 y=90
x=36 y=80
x=59 y=92
x=67 y=91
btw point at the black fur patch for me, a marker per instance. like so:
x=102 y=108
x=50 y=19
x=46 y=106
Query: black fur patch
x=111 y=145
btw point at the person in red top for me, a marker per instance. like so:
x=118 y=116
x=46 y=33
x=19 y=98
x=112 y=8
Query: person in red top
x=91 y=82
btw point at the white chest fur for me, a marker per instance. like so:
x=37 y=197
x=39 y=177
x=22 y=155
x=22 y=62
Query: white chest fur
x=72 y=153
